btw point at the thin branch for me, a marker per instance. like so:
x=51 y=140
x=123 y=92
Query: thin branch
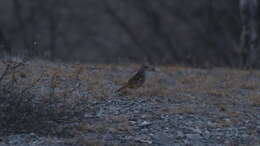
x=33 y=83
x=5 y=72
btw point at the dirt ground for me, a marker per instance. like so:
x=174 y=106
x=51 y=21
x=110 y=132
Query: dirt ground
x=176 y=106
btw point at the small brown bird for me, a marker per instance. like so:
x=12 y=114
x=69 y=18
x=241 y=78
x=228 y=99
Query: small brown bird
x=138 y=79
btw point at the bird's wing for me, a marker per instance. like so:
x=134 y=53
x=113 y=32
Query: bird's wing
x=121 y=88
x=138 y=77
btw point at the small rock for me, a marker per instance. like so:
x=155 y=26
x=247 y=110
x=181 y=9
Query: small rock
x=211 y=124
x=180 y=134
x=88 y=115
x=193 y=136
x=144 y=139
x=197 y=130
x=144 y=124
x=227 y=120
x=132 y=122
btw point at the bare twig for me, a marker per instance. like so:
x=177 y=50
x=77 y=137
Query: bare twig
x=33 y=83
x=53 y=83
x=5 y=72
x=10 y=67
x=10 y=70
x=78 y=84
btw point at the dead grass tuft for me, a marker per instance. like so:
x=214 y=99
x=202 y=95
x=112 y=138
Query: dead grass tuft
x=38 y=96
x=178 y=110
x=22 y=110
x=86 y=141
x=254 y=99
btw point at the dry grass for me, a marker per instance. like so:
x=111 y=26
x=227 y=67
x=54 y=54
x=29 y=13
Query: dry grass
x=178 y=110
x=103 y=80
x=30 y=101
x=255 y=99
x=65 y=87
x=84 y=141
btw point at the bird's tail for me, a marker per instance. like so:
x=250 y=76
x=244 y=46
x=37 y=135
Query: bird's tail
x=121 y=88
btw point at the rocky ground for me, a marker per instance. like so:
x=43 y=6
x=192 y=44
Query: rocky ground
x=176 y=106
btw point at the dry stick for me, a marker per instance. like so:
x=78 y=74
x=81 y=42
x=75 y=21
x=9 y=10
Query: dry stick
x=13 y=80
x=5 y=72
x=33 y=83
x=53 y=83
x=11 y=69
x=78 y=84
x=16 y=65
x=53 y=86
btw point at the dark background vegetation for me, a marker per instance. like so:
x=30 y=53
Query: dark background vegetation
x=197 y=32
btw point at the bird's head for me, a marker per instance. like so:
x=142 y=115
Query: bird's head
x=146 y=67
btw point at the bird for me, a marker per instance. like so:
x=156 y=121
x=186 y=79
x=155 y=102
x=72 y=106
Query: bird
x=138 y=79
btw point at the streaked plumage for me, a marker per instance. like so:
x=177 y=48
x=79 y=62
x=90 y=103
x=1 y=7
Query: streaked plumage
x=138 y=79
